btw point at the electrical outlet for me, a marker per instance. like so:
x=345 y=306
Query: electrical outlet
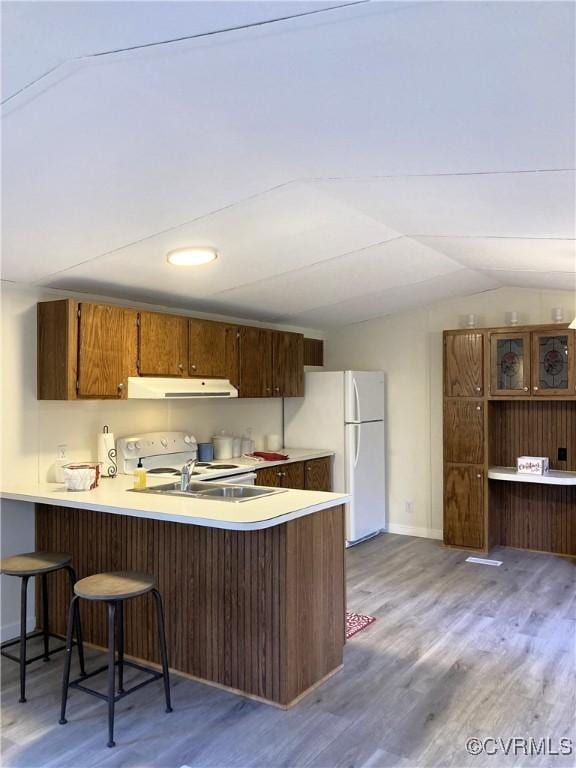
x=61 y=452
x=409 y=507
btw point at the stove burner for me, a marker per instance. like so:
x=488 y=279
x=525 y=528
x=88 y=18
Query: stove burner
x=203 y=464
x=164 y=471
x=224 y=466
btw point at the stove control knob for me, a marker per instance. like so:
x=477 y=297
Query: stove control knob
x=164 y=442
x=137 y=444
x=130 y=446
x=187 y=439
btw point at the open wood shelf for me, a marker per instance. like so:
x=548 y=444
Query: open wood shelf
x=553 y=477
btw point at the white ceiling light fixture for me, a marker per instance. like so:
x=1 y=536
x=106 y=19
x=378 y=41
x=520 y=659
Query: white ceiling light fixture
x=192 y=256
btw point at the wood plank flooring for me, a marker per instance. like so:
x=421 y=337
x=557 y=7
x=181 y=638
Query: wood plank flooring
x=458 y=650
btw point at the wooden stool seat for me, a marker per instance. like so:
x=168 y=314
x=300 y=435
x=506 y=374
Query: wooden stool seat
x=34 y=563
x=116 y=585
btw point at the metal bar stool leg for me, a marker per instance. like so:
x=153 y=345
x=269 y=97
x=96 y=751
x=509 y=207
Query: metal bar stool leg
x=163 y=652
x=77 y=622
x=120 y=624
x=23 y=609
x=72 y=612
x=45 y=620
x=111 y=671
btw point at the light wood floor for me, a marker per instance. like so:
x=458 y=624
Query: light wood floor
x=458 y=650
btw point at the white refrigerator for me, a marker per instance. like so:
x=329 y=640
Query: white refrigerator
x=344 y=411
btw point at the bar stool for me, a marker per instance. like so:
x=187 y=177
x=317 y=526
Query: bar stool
x=113 y=588
x=26 y=566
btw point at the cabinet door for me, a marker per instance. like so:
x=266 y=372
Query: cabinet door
x=318 y=474
x=107 y=349
x=463 y=364
x=464 y=506
x=270 y=477
x=293 y=475
x=553 y=364
x=255 y=362
x=163 y=342
x=509 y=364
x=213 y=350
x=288 y=364
x=464 y=431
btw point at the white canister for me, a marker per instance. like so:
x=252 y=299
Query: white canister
x=223 y=446
x=236 y=446
x=273 y=442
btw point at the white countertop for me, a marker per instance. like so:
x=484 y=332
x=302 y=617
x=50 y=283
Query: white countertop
x=553 y=477
x=247 y=463
x=113 y=496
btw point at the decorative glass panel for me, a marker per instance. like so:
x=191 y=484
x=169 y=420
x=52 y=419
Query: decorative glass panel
x=553 y=362
x=510 y=363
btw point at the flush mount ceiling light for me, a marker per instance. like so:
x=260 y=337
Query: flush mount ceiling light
x=193 y=256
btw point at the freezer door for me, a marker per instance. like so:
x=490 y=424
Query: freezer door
x=365 y=479
x=364 y=396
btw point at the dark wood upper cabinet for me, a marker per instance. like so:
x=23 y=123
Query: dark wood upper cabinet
x=288 y=364
x=163 y=345
x=553 y=363
x=463 y=364
x=255 y=367
x=213 y=350
x=510 y=364
x=464 y=507
x=464 y=431
x=318 y=474
x=89 y=350
x=107 y=349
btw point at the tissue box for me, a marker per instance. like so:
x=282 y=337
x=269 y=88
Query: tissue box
x=532 y=465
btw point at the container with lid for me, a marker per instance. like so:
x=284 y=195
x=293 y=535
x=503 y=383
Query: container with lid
x=223 y=446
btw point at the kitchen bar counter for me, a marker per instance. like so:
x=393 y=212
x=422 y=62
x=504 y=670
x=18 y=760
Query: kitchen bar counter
x=254 y=592
x=113 y=496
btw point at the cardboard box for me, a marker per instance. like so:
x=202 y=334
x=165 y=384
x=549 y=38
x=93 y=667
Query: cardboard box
x=532 y=465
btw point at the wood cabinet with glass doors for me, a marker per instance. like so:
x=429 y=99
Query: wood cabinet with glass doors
x=509 y=392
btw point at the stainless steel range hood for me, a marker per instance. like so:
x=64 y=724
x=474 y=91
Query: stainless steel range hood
x=152 y=388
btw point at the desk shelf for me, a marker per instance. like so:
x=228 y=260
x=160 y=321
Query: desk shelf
x=553 y=477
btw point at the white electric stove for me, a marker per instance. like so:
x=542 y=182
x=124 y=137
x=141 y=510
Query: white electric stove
x=163 y=454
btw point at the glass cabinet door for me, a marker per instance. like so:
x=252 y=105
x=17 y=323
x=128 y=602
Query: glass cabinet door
x=510 y=364
x=553 y=363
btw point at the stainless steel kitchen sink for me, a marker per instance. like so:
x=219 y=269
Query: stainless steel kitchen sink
x=217 y=491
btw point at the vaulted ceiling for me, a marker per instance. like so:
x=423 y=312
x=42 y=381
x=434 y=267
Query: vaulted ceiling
x=346 y=163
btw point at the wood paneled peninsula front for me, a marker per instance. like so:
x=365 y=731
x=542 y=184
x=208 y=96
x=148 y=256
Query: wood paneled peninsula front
x=254 y=592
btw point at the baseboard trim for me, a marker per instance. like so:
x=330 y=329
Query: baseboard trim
x=412 y=530
x=12 y=631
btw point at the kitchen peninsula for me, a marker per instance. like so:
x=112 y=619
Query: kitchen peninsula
x=254 y=592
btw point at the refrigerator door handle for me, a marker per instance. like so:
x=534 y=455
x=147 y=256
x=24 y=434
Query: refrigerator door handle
x=357 y=400
x=357 y=428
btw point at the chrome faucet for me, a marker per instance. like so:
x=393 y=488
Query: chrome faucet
x=186 y=474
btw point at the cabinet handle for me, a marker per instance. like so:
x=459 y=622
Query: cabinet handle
x=277 y=389
x=478 y=407
x=193 y=367
x=535 y=389
x=120 y=386
x=180 y=366
x=478 y=389
x=479 y=475
x=525 y=389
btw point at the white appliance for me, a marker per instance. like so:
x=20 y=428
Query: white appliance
x=163 y=454
x=344 y=411
x=153 y=388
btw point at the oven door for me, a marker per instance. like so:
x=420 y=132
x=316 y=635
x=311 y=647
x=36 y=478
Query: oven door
x=249 y=478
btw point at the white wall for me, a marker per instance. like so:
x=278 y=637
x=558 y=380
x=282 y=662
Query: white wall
x=408 y=347
x=32 y=429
